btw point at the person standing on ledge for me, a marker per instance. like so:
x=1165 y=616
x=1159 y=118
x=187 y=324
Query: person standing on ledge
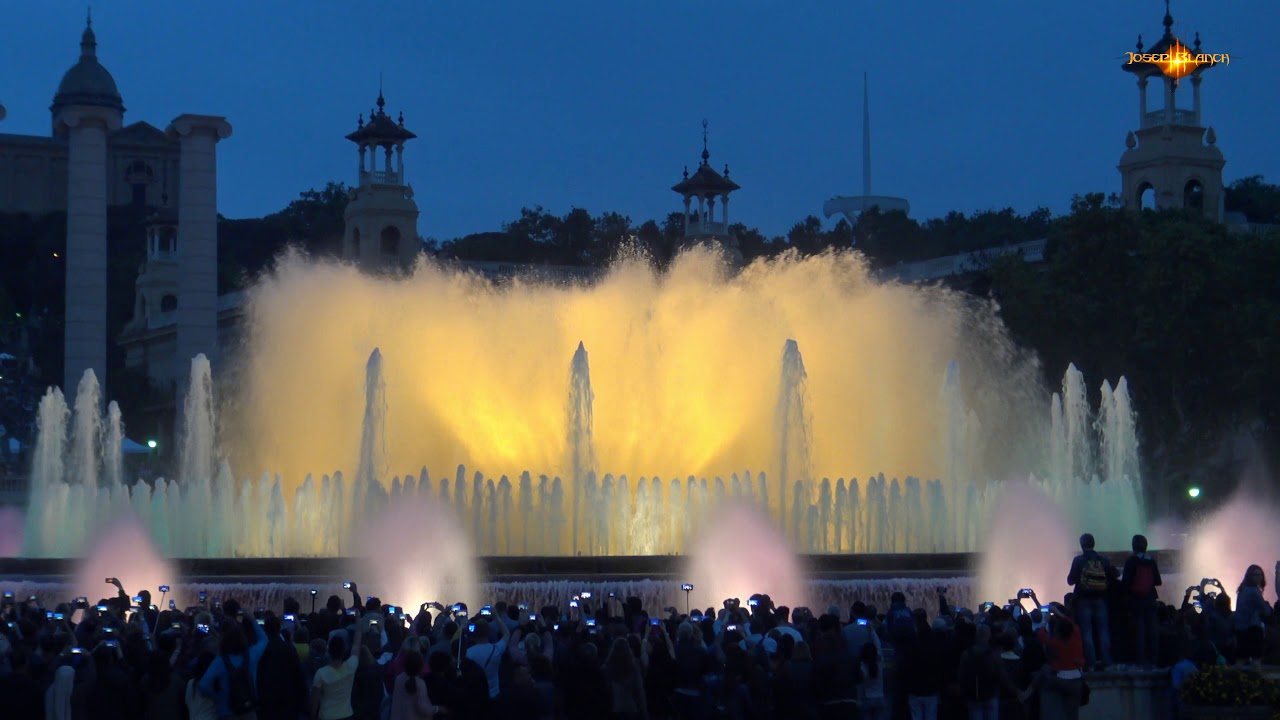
x=1091 y=575
x=1141 y=578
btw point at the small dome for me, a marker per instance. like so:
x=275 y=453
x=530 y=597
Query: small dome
x=88 y=82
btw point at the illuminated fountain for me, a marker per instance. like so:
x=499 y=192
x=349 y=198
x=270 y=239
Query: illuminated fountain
x=703 y=391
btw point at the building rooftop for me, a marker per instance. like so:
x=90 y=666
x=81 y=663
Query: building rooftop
x=88 y=82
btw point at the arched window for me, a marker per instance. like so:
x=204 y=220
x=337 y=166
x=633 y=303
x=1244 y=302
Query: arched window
x=390 y=240
x=168 y=303
x=138 y=174
x=355 y=242
x=1146 y=196
x=1193 y=195
x=168 y=241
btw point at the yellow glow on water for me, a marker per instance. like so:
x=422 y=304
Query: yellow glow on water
x=685 y=368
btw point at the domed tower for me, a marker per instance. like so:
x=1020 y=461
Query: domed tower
x=382 y=218
x=700 y=226
x=1171 y=160
x=86 y=107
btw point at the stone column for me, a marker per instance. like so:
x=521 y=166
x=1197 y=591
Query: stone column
x=85 y=319
x=1142 y=102
x=1195 y=95
x=724 y=203
x=197 y=315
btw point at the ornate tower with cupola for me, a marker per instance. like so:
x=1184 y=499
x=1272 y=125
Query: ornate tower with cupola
x=1171 y=160
x=700 y=224
x=381 y=219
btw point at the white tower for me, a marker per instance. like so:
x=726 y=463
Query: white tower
x=700 y=225
x=86 y=107
x=853 y=205
x=382 y=219
x=197 y=311
x=1171 y=160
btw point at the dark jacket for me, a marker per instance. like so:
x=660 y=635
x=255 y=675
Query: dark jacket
x=920 y=664
x=282 y=689
x=1131 y=569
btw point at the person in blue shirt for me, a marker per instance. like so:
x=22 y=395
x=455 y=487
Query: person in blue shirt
x=234 y=647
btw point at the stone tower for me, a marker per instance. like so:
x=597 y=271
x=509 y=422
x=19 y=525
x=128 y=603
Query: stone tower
x=156 y=289
x=700 y=224
x=86 y=107
x=381 y=219
x=1172 y=161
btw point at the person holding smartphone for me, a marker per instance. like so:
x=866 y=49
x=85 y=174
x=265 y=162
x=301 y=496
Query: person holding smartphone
x=1061 y=683
x=488 y=655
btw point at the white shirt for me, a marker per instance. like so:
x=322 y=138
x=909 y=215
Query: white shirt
x=489 y=657
x=334 y=686
x=199 y=705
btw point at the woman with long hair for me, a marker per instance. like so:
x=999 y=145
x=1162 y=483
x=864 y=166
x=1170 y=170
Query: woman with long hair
x=409 y=699
x=871 y=689
x=626 y=685
x=1249 y=618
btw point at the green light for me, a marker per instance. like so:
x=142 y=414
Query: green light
x=151 y=444
x=1193 y=492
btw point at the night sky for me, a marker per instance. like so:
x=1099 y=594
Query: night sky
x=599 y=104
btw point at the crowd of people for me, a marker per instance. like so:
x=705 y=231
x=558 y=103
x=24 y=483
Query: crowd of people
x=124 y=657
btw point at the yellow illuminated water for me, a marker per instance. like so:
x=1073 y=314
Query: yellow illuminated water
x=684 y=366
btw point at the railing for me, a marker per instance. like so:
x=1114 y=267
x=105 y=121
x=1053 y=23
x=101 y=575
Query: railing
x=708 y=228
x=381 y=177
x=937 y=268
x=1156 y=118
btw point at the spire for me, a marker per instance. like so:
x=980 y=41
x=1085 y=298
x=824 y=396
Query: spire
x=866 y=138
x=88 y=42
x=1168 y=20
x=706 y=155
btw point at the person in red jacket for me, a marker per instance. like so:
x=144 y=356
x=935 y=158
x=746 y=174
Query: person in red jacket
x=1061 y=682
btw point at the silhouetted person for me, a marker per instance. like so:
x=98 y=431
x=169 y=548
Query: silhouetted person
x=1140 y=579
x=1092 y=575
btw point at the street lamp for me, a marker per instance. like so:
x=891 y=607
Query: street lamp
x=151 y=444
x=1193 y=492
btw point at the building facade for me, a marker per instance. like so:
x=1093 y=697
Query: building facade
x=92 y=160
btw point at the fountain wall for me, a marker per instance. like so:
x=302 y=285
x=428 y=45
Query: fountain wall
x=860 y=417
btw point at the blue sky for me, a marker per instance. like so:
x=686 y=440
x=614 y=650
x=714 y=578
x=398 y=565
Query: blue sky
x=599 y=104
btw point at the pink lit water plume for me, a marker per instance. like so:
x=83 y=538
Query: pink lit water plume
x=124 y=550
x=1028 y=544
x=737 y=554
x=414 y=551
x=11 y=529
x=1241 y=533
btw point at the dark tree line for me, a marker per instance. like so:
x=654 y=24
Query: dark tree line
x=1187 y=311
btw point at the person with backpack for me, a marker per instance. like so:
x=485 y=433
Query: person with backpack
x=1140 y=579
x=1092 y=575
x=231 y=679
